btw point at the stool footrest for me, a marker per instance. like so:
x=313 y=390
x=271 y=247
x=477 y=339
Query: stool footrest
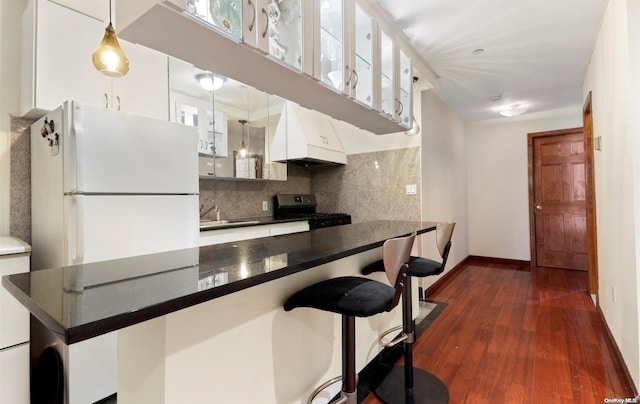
x=393 y=342
x=344 y=396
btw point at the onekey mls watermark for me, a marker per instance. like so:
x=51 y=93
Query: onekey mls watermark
x=621 y=400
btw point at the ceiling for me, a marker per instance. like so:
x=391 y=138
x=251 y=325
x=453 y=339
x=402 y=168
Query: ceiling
x=535 y=54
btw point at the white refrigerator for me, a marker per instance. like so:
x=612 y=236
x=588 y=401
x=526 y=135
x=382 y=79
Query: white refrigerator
x=107 y=185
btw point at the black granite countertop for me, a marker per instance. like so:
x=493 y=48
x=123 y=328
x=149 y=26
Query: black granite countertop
x=83 y=301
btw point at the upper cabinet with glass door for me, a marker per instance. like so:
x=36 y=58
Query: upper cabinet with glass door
x=275 y=27
x=405 y=97
x=361 y=56
x=345 y=45
x=224 y=15
x=329 y=46
x=396 y=80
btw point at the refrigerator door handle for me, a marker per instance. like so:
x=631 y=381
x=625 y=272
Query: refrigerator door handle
x=77 y=205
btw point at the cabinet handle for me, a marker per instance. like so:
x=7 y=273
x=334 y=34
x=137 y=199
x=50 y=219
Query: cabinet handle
x=400 y=107
x=253 y=18
x=350 y=73
x=266 y=22
x=355 y=82
x=118 y=99
x=106 y=101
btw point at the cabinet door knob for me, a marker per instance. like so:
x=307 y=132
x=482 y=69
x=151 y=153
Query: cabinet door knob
x=106 y=100
x=350 y=74
x=538 y=207
x=355 y=81
x=118 y=99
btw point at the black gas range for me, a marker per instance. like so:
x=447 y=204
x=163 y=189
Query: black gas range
x=303 y=206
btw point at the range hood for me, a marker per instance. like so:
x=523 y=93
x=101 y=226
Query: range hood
x=307 y=137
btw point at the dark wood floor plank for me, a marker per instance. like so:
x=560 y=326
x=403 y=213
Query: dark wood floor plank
x=514 y=335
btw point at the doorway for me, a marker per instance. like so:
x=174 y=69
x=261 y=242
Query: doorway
x=558 y=199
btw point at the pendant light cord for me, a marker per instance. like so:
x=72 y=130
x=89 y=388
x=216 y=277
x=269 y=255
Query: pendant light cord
x=110 y=12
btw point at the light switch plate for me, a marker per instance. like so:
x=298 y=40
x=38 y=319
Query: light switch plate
x=598 y=142
x=265 y=206
x=411 y=189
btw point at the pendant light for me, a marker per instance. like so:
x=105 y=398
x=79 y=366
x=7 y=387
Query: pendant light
x=108 y=57
x=243 y=148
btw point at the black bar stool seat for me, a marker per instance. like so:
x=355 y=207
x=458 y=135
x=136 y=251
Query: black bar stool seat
x=351 y=297
x=348 y=295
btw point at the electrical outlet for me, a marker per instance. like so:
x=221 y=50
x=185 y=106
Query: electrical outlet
x=265 y=206
x=411 y=189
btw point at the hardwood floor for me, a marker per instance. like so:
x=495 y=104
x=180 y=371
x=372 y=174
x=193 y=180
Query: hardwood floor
x=514 y=335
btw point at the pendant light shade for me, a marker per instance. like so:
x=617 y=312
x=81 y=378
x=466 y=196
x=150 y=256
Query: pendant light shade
x=108 y=57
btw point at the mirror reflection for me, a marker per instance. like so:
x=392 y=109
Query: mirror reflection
x=235 y=123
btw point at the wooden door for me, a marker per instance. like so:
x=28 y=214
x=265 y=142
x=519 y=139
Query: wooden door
x=560 y=200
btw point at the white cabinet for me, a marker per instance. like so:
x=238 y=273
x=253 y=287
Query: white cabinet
x=362 y=41
x=14 y=326
x=396 y=80
x=405 y=90
x=387 y=76
x=329 y=45
x=345 y=49
x=206 y=43
x=57 y=44
x=211 y=237
x=277 y=30
x=223 y=15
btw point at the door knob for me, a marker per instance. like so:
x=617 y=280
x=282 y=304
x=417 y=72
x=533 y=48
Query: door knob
x=539 y=207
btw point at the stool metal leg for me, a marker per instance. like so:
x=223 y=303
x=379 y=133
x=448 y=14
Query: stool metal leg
x=349 y=378
x=406 y=384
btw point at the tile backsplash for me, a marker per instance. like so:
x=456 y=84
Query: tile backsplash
x=371 y=186
x=20 y=179
x=243 y=199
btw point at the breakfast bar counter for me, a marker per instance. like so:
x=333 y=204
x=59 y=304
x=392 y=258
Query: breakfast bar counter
x=211 y=317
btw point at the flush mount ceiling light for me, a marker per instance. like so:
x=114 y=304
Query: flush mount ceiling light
x=210 y=81
x=108 y=57
x=513 y=111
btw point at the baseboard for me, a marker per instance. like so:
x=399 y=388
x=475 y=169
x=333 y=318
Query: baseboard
x=446 y=278
x=505 y=261
x=613 y=347
x=449 y=276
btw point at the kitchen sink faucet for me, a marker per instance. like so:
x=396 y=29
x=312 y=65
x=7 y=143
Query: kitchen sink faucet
x=215 y=208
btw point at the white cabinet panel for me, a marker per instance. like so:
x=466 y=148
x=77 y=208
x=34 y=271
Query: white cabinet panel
x=14 y=317
x=288 y=228
x=57 y=66
x=14 y=375
x=234 y=234
x=145 y=89
x=98 y=9
x=251 y=232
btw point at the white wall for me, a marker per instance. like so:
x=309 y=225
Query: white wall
x=612 y=77
x=498 y=180
x=10 y=19
x=444 y=177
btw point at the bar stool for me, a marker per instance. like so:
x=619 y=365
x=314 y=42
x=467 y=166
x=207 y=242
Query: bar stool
x=353 y=297
x=419 y=387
